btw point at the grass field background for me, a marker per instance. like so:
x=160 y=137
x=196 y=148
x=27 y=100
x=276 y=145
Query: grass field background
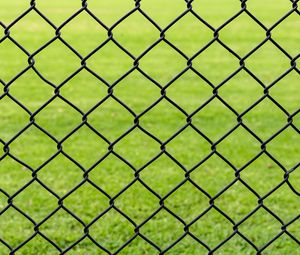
x=56 y=62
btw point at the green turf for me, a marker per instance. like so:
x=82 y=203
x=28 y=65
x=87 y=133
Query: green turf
x=57 y=62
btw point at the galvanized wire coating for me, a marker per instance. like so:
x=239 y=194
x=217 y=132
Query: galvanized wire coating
x=138 y=8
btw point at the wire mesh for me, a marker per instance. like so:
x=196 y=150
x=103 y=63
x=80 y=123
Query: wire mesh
x=163 y=144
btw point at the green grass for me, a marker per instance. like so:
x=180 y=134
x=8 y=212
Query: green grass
x=57 y=62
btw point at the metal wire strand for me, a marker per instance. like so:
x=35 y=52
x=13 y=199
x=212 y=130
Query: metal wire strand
x=162 y=145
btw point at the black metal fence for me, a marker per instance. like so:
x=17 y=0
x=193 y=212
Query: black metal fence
x=138 y=8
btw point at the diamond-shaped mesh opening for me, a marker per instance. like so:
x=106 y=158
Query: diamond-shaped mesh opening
x=215 y=119
x=189 y=91
x=163 y=221
x=15 y=11
x=214 y=12
x=286 y=203
x=192 y=141
x=110 y=12
x=31 y=91
x=82 y=86
x=60 y=175
x=260 y=228
x=56 y=62
x=285 y=90
x=84 y=40
x=211 y=228
x=131 y=148
x=111 y=119
x=242 y=201
x=13 y=175
x=62 y=228
x=290 y=44
x=82 y=195
x=38 y=245
x=215 y=57
x=58 y=118
x=29 y=29
x=138 y=246
x=58 y=12
x=162 y=175
x=213 y=175
x=189 y=43
x=274 y=13
x=187 y=245
x=282 y=244
x=86 y=246
x=15 y=228
x=239 y=142
x=265 y=119
x=110 y=62
x=149 y=127
x=235 y=244
x=267 y=72
x=137 y=202
x=85 y=146
x=112 y=230
x=33 y=147
x=13 y=118
x=136 y=33
x=262 y=169
x=111 y=175
x=12 y=60
x=241 y=91
x=156 y=9
x=187 y=196
x=30 y=199
x=137 y=92
x=242 y=38
x=160 y=57
x=281 y=147
x=164 y=110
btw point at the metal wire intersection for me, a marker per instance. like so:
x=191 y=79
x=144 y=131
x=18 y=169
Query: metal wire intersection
x=162 y=145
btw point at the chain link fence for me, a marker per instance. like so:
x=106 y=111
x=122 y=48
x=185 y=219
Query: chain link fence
x=136 y=234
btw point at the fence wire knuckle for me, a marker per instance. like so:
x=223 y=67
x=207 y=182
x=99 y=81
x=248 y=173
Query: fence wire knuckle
x=137 y=125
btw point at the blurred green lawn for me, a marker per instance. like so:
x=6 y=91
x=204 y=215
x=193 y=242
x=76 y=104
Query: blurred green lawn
x=57 y=62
